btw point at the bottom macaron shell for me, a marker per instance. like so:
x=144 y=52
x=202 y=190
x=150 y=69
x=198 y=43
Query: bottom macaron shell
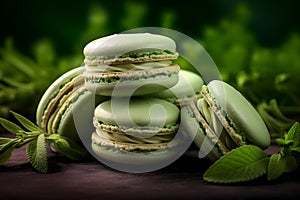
x=134 y=161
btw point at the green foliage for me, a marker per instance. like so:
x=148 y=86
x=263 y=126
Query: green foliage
x=276 y=166
x=276 y=122
x=23 y=79
x=36 y=139
x=241 y=164
x=248 y=162
x=37 y=154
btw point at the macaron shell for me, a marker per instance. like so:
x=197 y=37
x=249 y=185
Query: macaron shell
x=119 y=44
x=200 y=131
x=54 y=89
x=79 y=110
x=189 y=84
x=138 y=112
x=240 y=112
x=134 y=162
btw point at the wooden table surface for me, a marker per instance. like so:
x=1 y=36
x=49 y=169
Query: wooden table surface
x=92 y=180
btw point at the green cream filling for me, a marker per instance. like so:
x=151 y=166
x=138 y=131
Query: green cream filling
x=99 y=79
x=215 y=124
x=146 y=129
x=129 y=67
x=135 y=54
x=136 y=140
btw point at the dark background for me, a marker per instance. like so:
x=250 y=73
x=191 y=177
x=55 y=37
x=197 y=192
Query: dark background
x=65 y=20
x=40 y=40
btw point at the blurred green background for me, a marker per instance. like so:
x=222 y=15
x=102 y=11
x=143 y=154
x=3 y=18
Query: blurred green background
x=255 y=44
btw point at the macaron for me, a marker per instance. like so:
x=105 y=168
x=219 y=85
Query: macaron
x=130 y=64
x=223 y=119
x=188 y=86
x=135 y=132
x=65 y=96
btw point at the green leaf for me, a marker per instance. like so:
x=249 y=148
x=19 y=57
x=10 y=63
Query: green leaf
x=4 y=140
x=295 y=149
x=26 y=122
x=6 y=154
x=283 y=142
x=276 y=166
x=294 y=134
x=290 y=163
x=10 y=126
x=53 y=137
x=241 y=164
x=68 y=148
x=6 y=150
x=37 y=154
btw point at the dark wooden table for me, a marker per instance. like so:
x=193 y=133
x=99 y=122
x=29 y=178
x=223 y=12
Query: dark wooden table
x=92 y=180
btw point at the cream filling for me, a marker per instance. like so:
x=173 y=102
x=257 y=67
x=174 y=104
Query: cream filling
x=131 y=139
x=128 y=67
x=215 y=123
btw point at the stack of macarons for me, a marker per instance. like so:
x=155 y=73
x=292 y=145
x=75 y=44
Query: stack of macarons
x=216 y=115
x=143 y=98
x=137 y=72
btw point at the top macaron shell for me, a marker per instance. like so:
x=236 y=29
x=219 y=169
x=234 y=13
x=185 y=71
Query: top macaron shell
x=139 y=112
x=240 y=112
x=119 y=44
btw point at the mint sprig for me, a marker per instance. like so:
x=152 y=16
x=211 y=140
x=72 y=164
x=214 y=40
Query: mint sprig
x=37 y=154
x=241 y=164
x=36 y=140
x=249 y=162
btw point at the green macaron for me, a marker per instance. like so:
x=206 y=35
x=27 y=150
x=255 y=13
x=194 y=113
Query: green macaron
x=130 y=64
x=62 y=99
x=223 y=119
x=135 y=132
x=188 y=86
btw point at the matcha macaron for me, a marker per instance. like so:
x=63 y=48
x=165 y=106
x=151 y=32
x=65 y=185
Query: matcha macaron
x=62 y=99
x=130 y=64
x=135 y=133
x=188 y=86
x=223 y=119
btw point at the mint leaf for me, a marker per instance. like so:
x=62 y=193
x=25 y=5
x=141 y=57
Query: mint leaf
x=290 y=163
x=26 y=122
x=241 y=164
x=6 y=150
x=283 y=142
x=294 y=134
x=295 y=149
x=276 y=166
x=10 y=126
x=37 y=154
x=6 y=154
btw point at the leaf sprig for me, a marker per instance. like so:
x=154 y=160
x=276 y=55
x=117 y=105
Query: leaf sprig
x=35 y=139
x=250 y=162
